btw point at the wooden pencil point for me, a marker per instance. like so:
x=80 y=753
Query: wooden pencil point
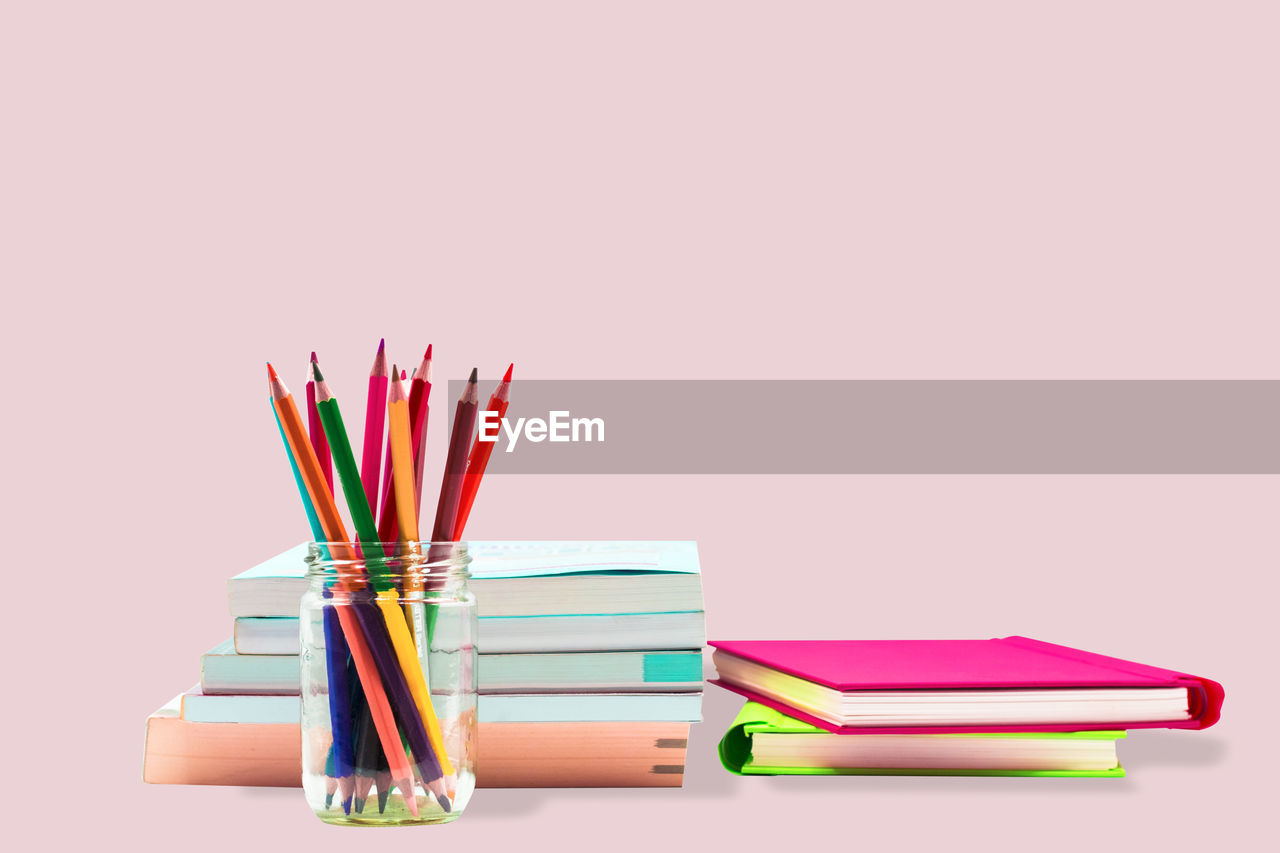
x=475 y=371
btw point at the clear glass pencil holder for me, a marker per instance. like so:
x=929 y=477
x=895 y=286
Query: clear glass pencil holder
x=388 y=683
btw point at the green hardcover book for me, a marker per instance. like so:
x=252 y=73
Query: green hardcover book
x=765 y=742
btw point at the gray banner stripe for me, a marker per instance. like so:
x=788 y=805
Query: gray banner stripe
x=898 y=427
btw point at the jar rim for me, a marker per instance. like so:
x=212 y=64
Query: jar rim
x=420 y=558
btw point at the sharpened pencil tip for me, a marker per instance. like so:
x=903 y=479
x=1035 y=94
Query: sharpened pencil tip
x=510 y=368
x=474 y=373
x=359 y=806
x=382 y=344
x=403 y=375
x=272 y=376
x=428 y=355
x=444 y=802
x=313 y=355
x=315 y=367
x=346 y=806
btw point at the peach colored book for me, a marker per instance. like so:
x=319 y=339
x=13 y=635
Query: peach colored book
x=511 y=755
x=183 y=753
x=582 y=755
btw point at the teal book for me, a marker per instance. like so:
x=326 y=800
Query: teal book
x=765 y=742
x=518 y=634
x=512 y=579
x=198 y=707
x=223 y=671
x=596 y=672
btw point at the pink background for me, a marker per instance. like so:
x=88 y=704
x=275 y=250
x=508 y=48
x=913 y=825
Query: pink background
x=679 y=189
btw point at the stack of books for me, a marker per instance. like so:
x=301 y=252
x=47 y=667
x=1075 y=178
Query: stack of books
x=589 y=673
x=1006 y=707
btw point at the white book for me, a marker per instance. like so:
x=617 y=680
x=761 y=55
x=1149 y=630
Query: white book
x=520 y=579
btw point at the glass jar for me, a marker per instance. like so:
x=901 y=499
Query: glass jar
x=388 y=682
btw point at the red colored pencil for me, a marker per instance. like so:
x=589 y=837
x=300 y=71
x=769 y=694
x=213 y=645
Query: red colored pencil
x=480 y=453
x=375 y=414
x=388 y=521
x=455 y=466
x=419 y=414
x=315 y=429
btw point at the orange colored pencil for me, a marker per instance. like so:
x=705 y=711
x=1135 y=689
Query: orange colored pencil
x=336 y=532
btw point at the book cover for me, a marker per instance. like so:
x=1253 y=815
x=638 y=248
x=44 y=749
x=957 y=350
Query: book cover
x=736 y=747
x=1009 y=663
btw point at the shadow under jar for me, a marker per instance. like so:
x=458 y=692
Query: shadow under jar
x=388 y=682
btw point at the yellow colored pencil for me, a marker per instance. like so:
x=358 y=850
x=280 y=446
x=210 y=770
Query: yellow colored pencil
x=402 y=477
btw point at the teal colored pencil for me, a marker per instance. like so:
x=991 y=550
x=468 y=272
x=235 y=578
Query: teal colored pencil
x=314 y=520
x=339 y=766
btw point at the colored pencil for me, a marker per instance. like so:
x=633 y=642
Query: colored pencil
x=341 y=720
x=385 y=513
x=368 y=748
x=464 y=424
x=402 y=453
x=370 y=757
x=478 y=460
x=318 y=441
x=374 y=413
x=340 y=764
x=400 y=444
x=392 y=646
x=330 y=782
x=419 y=412
x=388 y=520
x=334 y=531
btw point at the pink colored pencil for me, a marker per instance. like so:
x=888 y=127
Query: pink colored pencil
x=375 y=414
x=315 y=429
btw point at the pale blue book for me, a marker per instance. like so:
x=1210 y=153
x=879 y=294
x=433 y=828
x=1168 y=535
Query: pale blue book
x=222 y=670
x=521 y=579
x=498 y=635
x=198 y=707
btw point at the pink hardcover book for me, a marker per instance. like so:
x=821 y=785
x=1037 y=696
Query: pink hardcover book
x=943 y=686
